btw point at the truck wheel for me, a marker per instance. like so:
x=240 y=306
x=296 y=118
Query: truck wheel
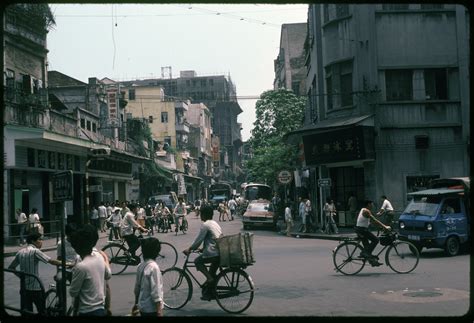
x=452 y=246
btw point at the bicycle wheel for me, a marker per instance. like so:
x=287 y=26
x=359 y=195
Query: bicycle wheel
x=52 y=304
x=234 y=290
x=118 y=257
x=346 y=258
x=402 y=257
x=184 y=226
x=168 y=256
x=177 y=288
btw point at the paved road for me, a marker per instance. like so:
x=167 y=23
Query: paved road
x=295 y=277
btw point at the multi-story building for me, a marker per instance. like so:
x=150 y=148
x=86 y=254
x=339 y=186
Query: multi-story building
x=199 y=118
x=290 y=70
x=388 y=86
x=218 y=93
x=44 y=137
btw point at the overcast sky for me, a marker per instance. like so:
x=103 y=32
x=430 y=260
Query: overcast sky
x=129 y=41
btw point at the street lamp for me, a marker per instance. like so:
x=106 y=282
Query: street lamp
x=94 y=154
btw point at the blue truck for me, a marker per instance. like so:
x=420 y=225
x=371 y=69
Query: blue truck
x=438 y=217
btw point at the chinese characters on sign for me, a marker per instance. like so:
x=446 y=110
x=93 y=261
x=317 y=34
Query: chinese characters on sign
x=112 y=99
x=336 y=146
x=62 y=186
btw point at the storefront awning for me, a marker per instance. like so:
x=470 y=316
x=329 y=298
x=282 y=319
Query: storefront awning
x=294 y=137
x=336 y=140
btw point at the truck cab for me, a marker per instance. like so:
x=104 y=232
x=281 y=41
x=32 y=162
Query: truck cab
x=438 y=217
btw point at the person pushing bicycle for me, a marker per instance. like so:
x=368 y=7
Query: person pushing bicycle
x=209 y=232
x=362 y=229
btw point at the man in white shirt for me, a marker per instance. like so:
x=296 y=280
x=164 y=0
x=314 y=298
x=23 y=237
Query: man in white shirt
x=288 y=219
x=22 y=220
x=209 y=232
x=232 y=206
x=102 y=216
x=386 y=209
x=128 y=224
x=88 y=284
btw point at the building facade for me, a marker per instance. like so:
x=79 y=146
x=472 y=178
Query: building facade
x=290 y=71
x=218 y=93
x=388 y=87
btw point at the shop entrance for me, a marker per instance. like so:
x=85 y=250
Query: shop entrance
x=347 y=180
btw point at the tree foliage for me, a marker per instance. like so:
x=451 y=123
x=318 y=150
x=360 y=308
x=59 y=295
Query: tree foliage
x=277 y=113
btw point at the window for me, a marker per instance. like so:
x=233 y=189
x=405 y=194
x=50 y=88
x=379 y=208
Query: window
x=339 y=85
x=94 y=127
x=436 y=84
x=203 y=82
x=194 y=83
x=211 y=82
x=398 y=84
x=30 y=156
x=342 y=10
x=168 y=140
x=326 y=12
x=188 y=82
x=329 y=91
x=83 y=123
x=394 y=6
x=88 y=125
x=164 y=117
x=432 y=6
x=451 y=206
x=131 y=94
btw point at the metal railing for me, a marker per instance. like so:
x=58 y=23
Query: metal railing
x=22 y=306
x=52 y=229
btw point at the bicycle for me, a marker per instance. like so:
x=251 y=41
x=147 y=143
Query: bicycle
x=53 y=304
x=233 y=290
x=183 y=227
x=401 y=256
x=120 y=257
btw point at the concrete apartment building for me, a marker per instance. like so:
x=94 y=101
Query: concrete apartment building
x=290 y=70
x=218 y=93
x=388 y=86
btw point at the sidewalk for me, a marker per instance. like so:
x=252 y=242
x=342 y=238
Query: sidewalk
x=343 y=232
x=49 y=244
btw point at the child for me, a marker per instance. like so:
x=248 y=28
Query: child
x=149 y=284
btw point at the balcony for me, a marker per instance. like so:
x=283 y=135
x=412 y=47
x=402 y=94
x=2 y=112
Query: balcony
x=419 y=114
x=182 y=127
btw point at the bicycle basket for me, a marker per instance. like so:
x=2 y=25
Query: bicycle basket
x=236 y=250
x=387 y=239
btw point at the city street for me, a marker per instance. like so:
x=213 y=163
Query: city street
x=295 y=277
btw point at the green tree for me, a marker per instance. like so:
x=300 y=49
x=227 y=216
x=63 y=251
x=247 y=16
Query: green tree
x=277 y=113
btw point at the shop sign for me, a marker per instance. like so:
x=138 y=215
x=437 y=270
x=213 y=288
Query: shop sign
x=62 y=186
x=324 y=182
x=338 y=145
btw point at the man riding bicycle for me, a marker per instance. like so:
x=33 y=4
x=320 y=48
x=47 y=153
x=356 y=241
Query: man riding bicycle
x=128 y=224
x=179 y=213
x=362 y=230
x=210 y=231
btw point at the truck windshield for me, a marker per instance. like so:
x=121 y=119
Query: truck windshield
x=423 y=206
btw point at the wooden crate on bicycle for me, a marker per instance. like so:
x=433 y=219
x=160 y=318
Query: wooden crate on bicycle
x=236 y=250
